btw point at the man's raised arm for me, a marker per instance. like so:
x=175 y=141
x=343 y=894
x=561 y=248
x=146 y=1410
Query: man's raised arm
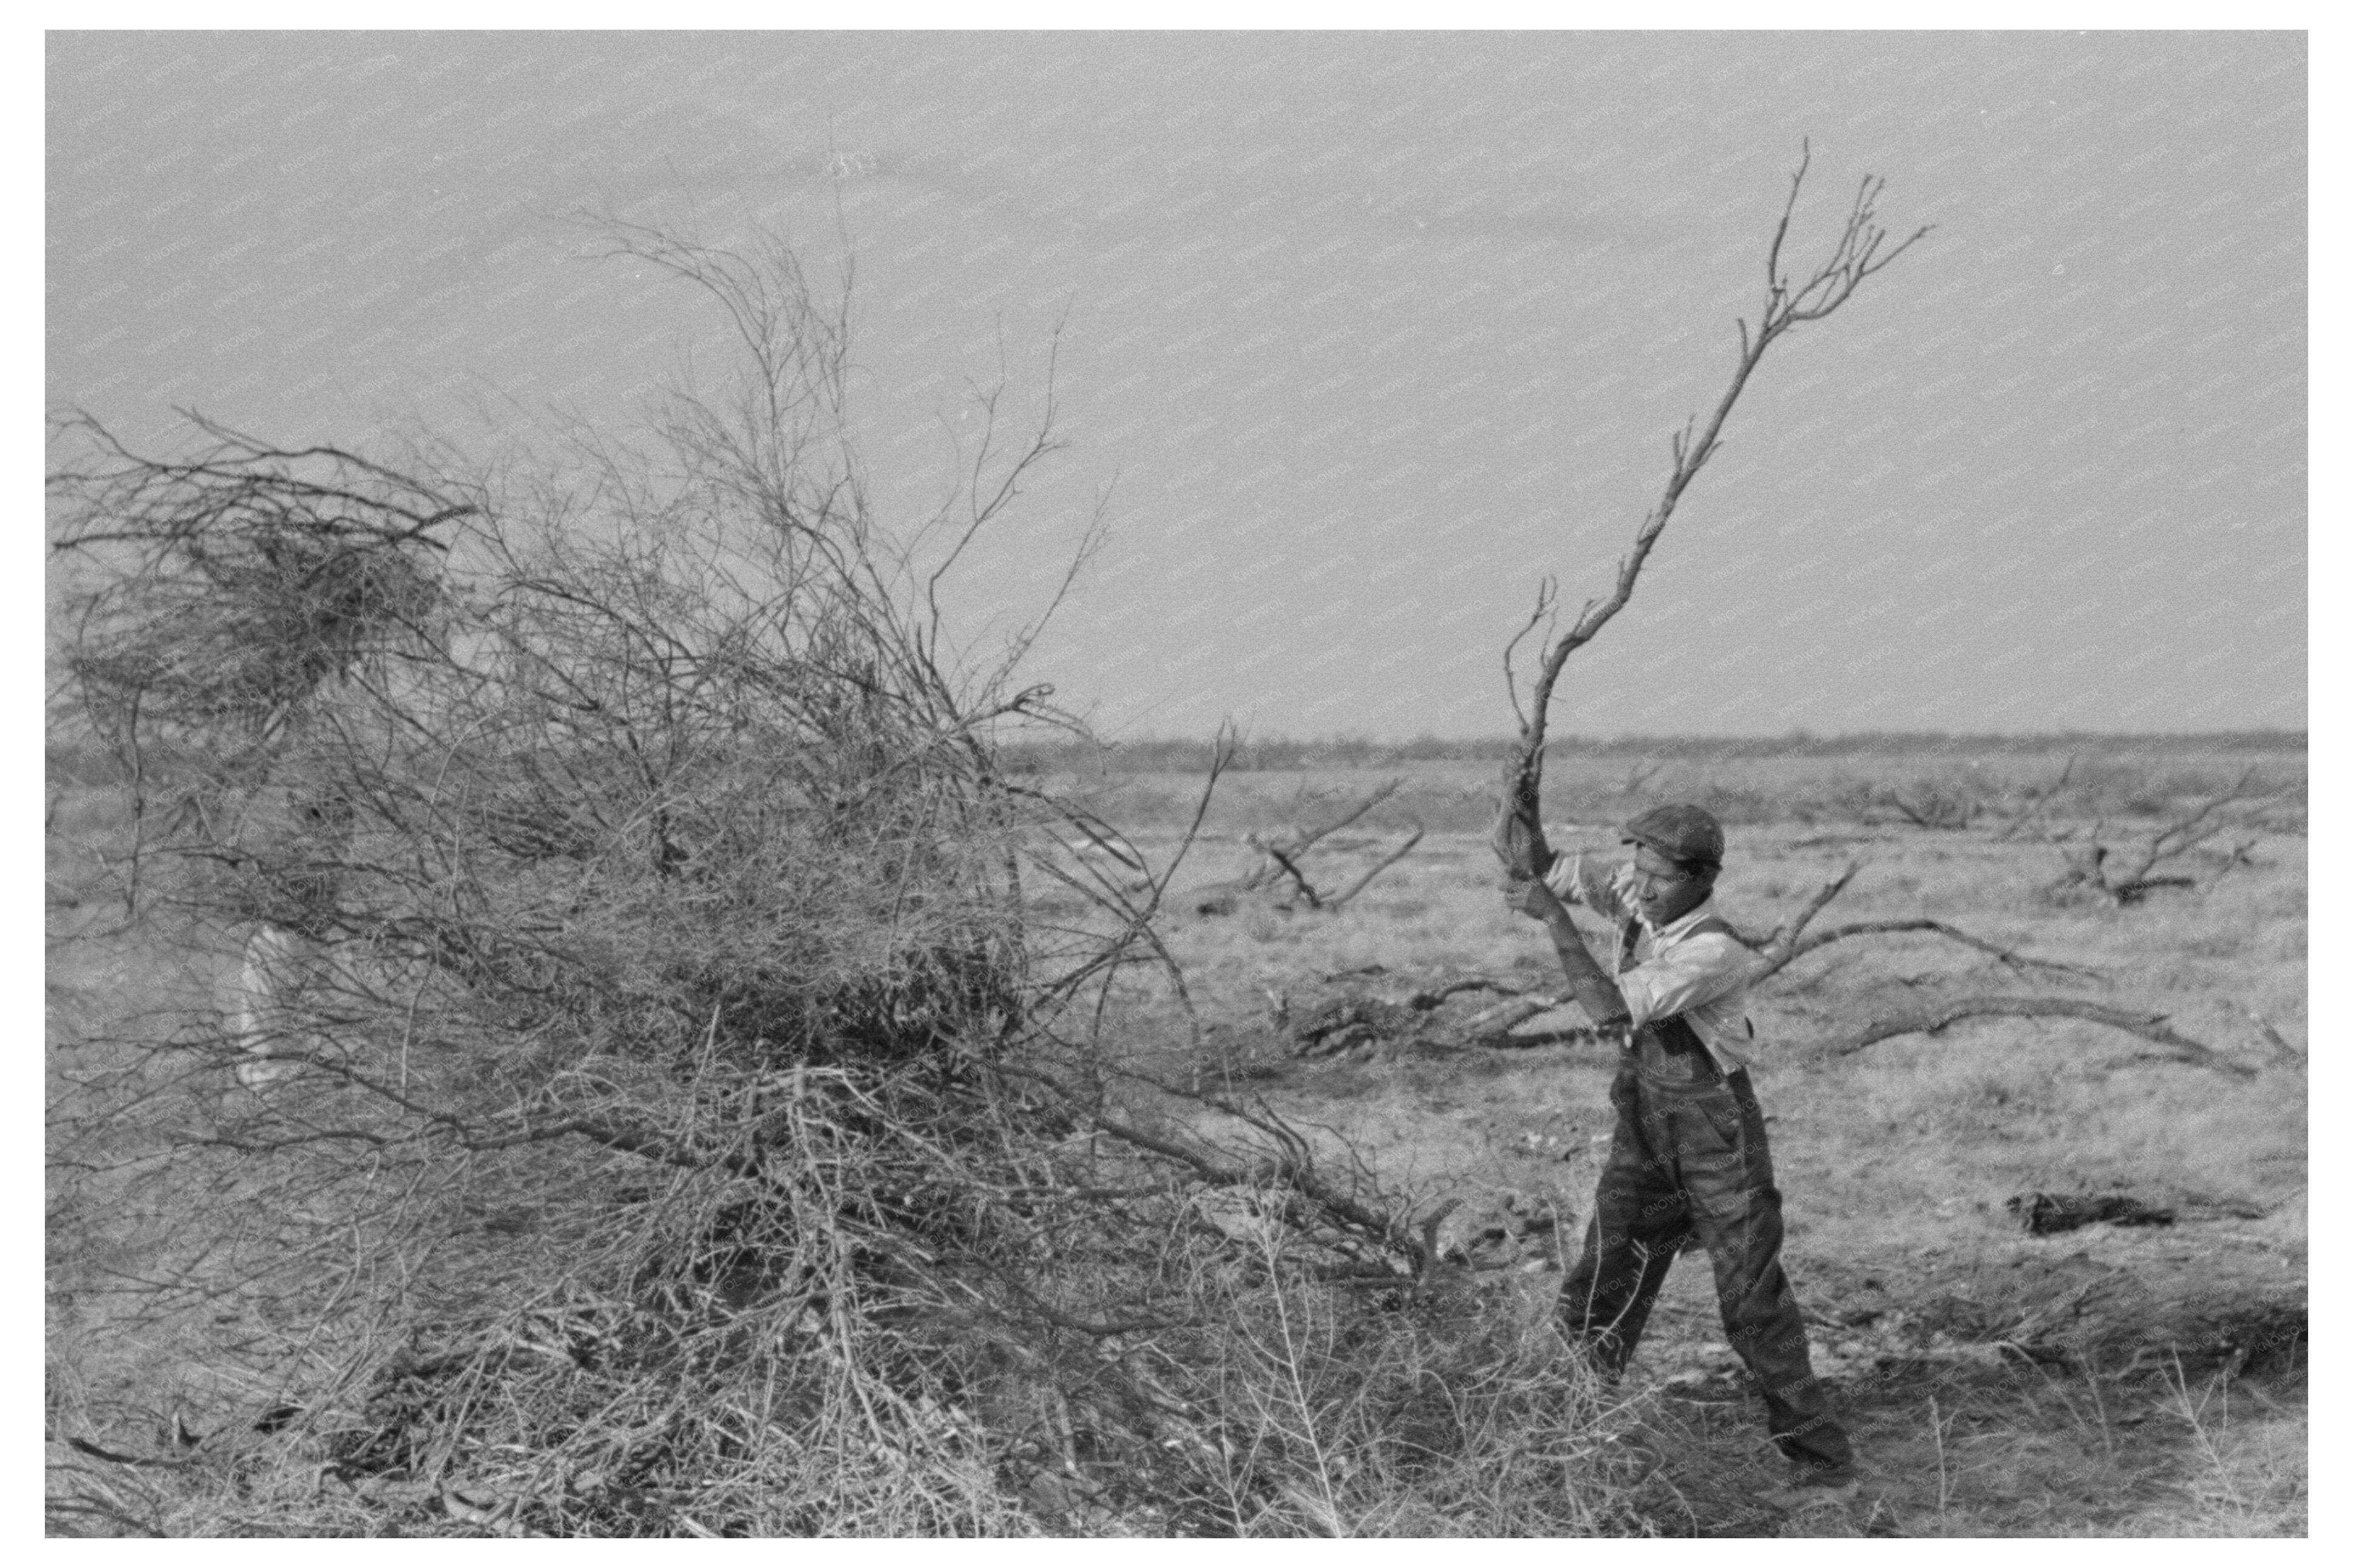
x=1591 y=987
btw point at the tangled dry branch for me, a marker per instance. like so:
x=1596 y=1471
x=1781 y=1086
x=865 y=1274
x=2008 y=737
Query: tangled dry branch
x=2129 y=877
x=1862 y=250
x=1356 y=1017
x=1791 y=941
x=1280 y=870
x=1940 y=1016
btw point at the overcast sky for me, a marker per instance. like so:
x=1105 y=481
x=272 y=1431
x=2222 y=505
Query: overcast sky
x=1372 y=332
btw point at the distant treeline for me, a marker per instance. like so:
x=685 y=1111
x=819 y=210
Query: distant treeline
x=1282 y=754
x=83 y=761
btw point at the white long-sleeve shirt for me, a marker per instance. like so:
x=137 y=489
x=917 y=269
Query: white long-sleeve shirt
x=1700 y=976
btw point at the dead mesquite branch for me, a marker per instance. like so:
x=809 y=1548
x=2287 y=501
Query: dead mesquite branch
x=1640 y=776
x=2010 y=957
x=1931 y=807
x=1356 y=1018
x=1791 y=941
x=1779 y=948
x=1396 y=853
x=1281 y=857
x=1861 y=251
x=2040 y=800
x=1303 y=840
x=1940 y=1016
x=2127 y=877
x=1131 y=905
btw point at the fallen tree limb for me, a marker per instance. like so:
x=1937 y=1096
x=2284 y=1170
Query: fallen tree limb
x=1790 y=942
x=1931 y=807
x=2010 y=956
x=2125 y=878
x=1430 y=995
x=1940 y=1016
x=1344 y=1025
x=1781 y=947
x=1279 y=861
x=1383 y=864
x=1307 y=840
x=1506 y=1037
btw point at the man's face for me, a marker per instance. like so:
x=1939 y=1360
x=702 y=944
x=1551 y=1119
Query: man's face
x=1665 y=890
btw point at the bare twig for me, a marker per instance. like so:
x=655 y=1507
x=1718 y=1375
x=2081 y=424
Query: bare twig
x=82 y=1444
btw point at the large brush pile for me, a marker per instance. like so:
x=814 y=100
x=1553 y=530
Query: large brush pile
x=610 y=933
x=642 y=1102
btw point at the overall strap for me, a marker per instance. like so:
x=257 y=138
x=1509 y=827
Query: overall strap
x=1670 y=1048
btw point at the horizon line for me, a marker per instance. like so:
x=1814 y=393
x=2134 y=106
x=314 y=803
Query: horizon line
x=1793 y=737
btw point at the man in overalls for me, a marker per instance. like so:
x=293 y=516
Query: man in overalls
x=1689 y=1154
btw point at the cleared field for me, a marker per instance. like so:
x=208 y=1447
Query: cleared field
x=1895 y=1160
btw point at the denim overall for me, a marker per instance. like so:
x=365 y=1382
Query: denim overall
x=1688 y=1159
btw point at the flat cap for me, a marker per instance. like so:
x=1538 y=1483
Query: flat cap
x=1684 y=834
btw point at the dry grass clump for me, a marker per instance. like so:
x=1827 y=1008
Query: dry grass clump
x=1453 y=1416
